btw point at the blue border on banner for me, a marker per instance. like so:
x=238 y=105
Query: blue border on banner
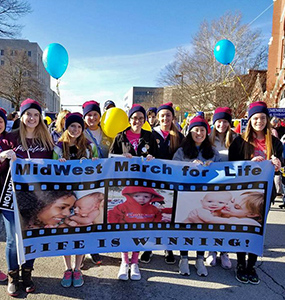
x=181 y=182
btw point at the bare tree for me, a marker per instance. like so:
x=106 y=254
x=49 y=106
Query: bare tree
x=18 y=78
x=10 y=12
x=204 y=83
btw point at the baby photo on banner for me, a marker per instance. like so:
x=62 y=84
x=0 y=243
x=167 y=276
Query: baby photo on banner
x=58 y=209
x=221 y=207
x=132 y=204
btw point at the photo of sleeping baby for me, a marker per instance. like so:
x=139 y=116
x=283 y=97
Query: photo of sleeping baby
x=221 y=207
x=137 y=204
x=52 y=209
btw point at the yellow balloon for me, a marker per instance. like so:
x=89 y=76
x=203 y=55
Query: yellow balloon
x=146 y=126
x=48 y=119
x=113 y=121
x=236 y=122
x=177 y=108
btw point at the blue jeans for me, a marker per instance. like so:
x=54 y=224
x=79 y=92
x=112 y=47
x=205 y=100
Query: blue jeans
x=11 y=249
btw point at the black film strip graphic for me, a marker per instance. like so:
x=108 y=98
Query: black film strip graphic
x=105 y=227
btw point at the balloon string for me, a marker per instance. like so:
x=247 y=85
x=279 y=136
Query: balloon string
x=57 y=87
x=240 y=82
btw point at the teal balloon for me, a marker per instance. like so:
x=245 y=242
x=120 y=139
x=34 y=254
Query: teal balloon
x=224 y=52
x=186 y=115
x=55 y=60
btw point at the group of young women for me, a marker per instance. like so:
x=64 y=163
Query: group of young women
x=79 y=136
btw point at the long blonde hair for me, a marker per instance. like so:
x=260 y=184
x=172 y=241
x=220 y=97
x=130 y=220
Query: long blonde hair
x=81 y=145
x=41 y=135
x=228 y=138
x=59 y=124
x=248 y=137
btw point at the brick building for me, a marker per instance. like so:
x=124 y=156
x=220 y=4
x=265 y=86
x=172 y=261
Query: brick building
x=275 y=86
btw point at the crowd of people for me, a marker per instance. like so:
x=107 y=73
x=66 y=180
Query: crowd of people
x=74 y=136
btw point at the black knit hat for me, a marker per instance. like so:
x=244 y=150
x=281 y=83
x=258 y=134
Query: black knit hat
x=109 y=103
x=222 y=113
x=257 y=107
x=168 y=105
x=74 y=118
x=90 y=106
x=29 y=103
x=136 y=108
x=3 y=116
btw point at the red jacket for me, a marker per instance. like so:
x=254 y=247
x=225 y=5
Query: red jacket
x=132 y=212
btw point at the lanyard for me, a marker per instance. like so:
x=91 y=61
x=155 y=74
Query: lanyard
x=95 y=142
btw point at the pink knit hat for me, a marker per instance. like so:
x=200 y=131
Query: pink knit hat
x=222 y=113
x=29 y=103
x=91 y=106
x=199 y=121
x=257 y=107
x=168 y=105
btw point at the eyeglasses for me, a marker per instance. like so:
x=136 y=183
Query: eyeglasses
x=138 y=119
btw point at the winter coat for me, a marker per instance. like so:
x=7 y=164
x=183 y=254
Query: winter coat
x=164 y=151
x=147 y=144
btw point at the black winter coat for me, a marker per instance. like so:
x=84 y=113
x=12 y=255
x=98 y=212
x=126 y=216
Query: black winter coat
x=147 y=144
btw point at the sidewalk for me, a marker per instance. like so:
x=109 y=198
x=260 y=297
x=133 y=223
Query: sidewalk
x=161 y=281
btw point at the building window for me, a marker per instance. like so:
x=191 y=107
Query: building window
x=2 y=52
x=2 y=62
x=29 y=53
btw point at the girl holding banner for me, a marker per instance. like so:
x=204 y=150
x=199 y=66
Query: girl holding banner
x=221 y=137
x=32 y=140
x=168 y=140
x=134 y=141
x=196 y=147
x=73 y=145
x=94 y=133
x=256 y=144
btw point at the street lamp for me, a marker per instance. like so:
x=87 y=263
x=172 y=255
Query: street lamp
x=181 y=91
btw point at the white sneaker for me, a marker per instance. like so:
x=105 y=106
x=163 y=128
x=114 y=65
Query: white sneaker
x=123 y=272
x=225 y=261
x=201 y=269
x=211 y=260
x=135 y=272
x=184 y=267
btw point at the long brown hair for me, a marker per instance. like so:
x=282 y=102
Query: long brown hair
x=248 y=137
x=174 y=138
x=41 y=135
x=174 y=135
x=228 y=138
x=81 y=144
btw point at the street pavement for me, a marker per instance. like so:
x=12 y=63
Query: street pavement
x=161 y=281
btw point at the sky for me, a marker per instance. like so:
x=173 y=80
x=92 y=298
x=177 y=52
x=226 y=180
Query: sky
x=116 y=44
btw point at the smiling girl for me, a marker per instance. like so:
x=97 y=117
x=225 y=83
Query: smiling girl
x=256 y=144
x=73 y=145
x=134 y=141
x=168 y=140
x=196 y=147
x=221 y=137
x=31 y=140
x=93 y=131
